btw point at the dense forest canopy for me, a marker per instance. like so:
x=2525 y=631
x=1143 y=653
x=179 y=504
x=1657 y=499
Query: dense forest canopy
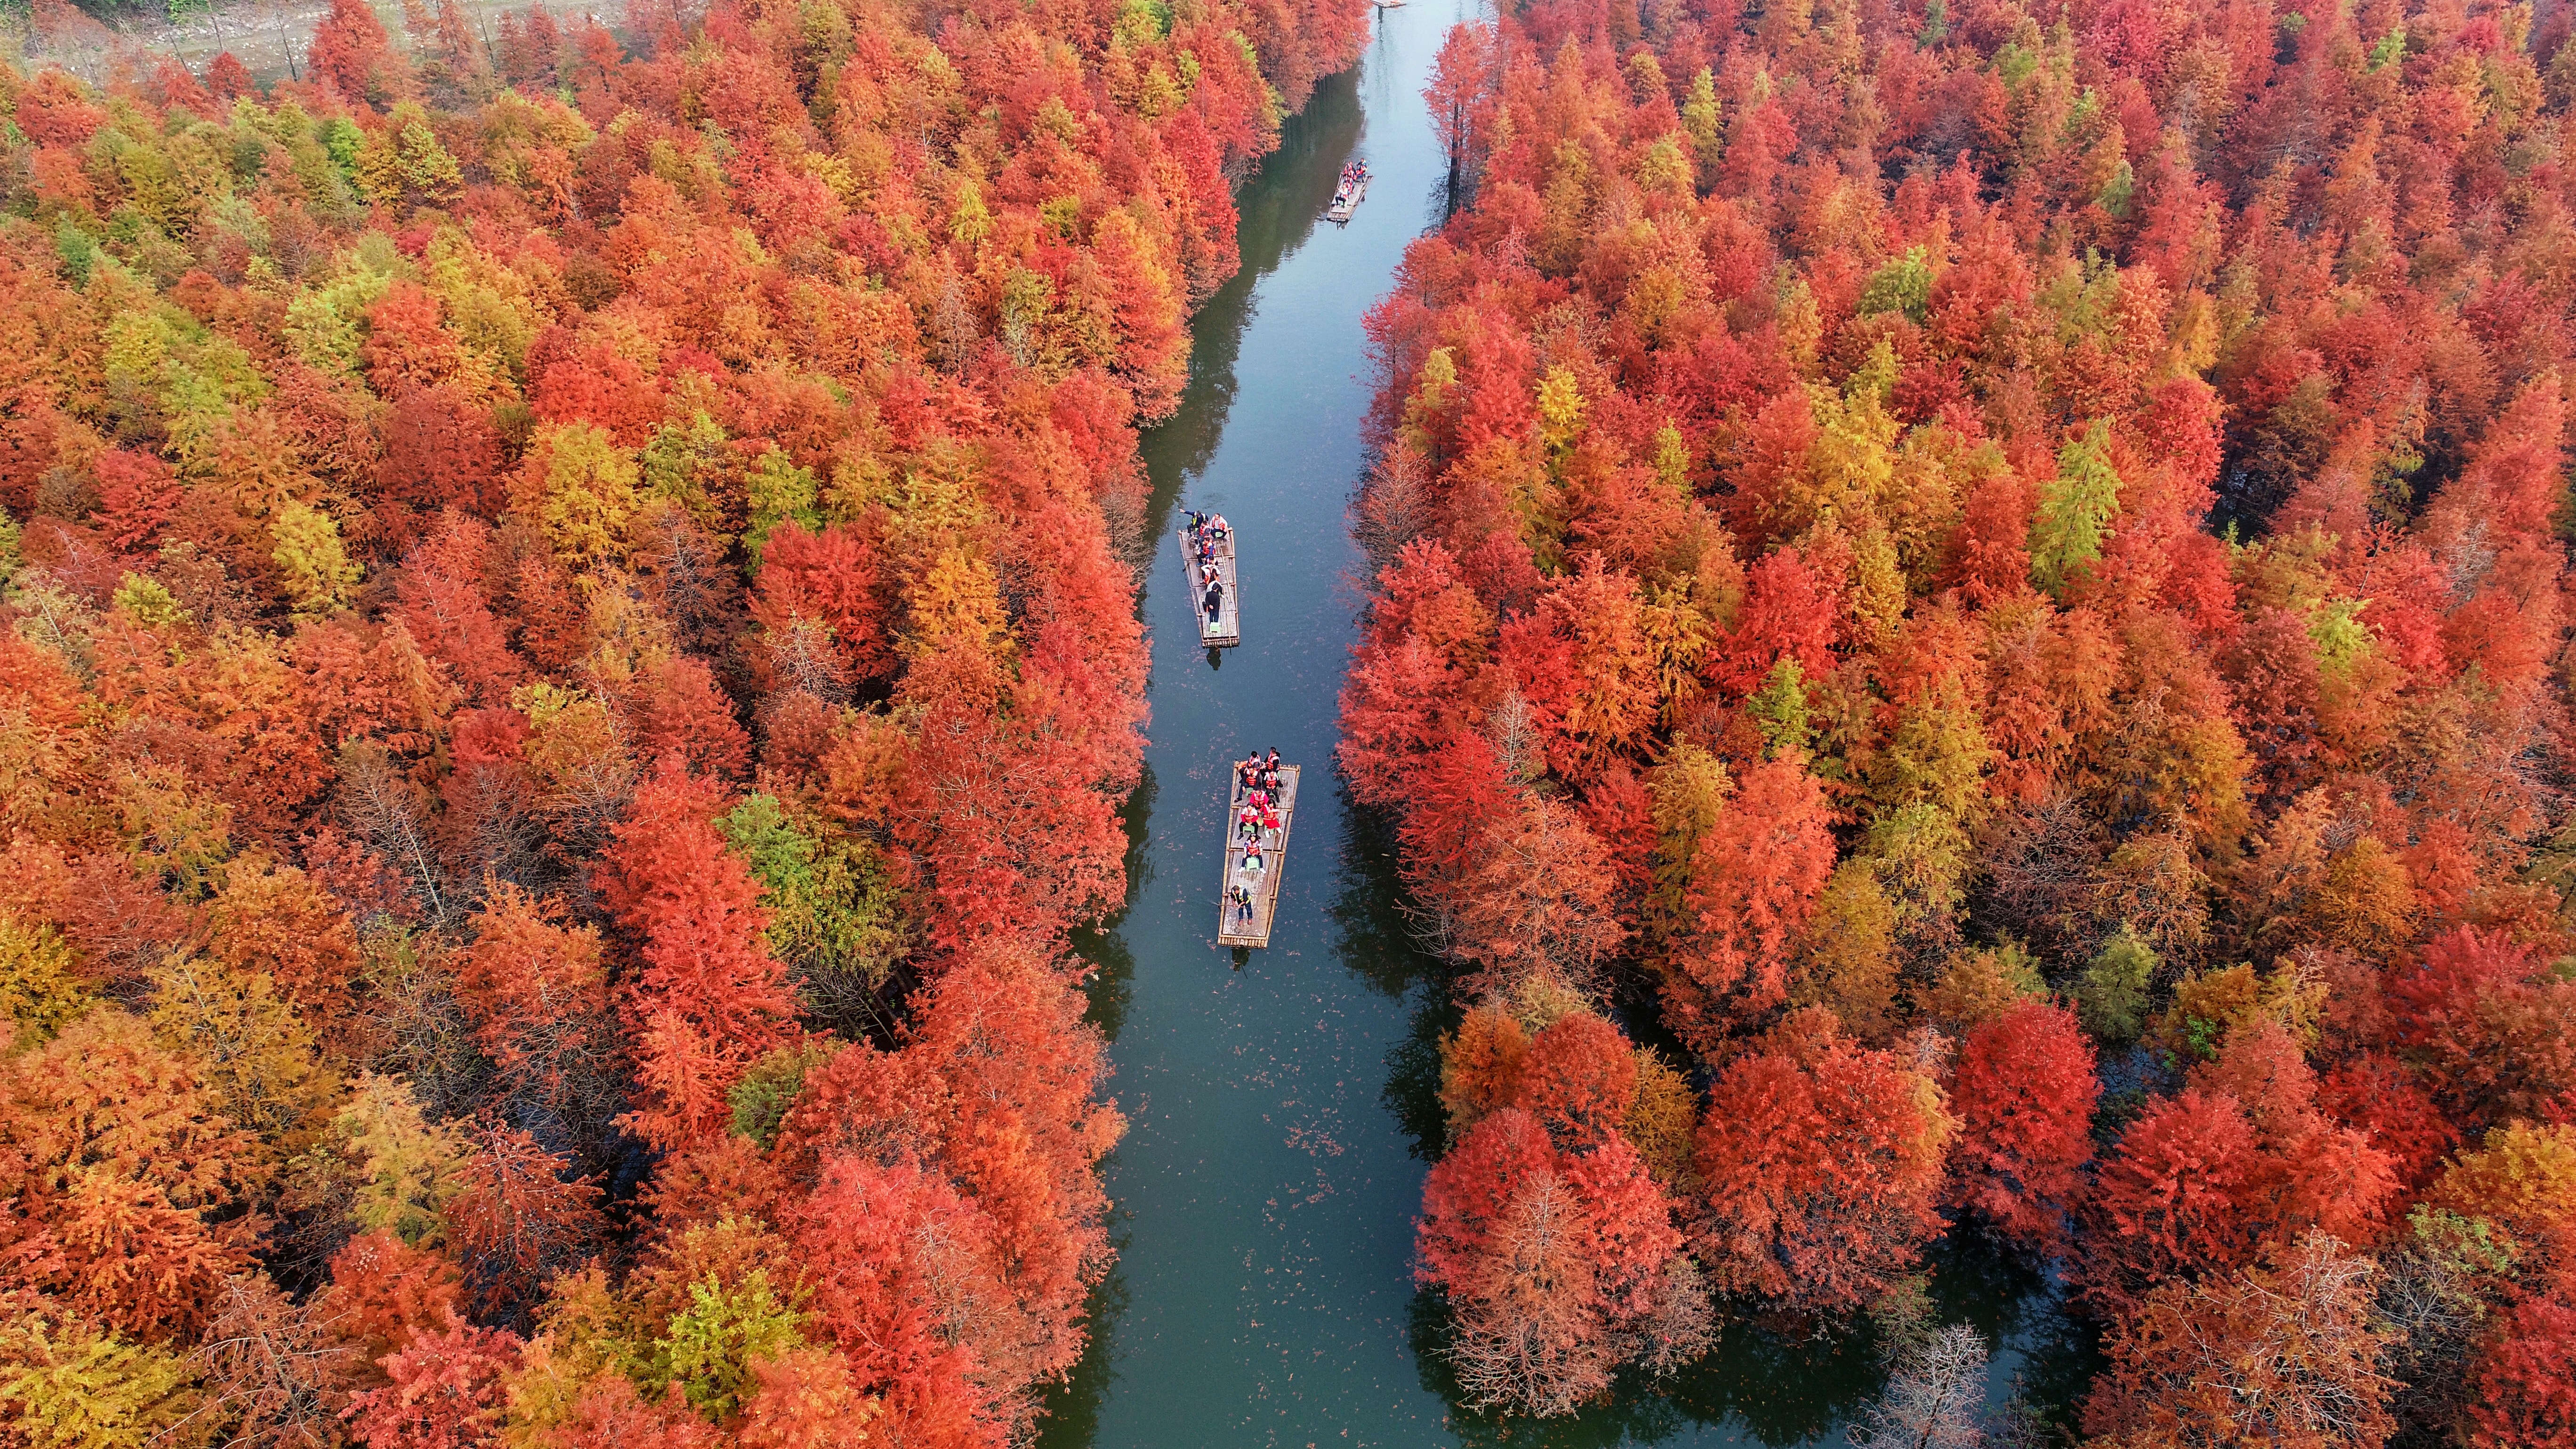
x=2003 y=565
x=569 y=659
x=1989 y=577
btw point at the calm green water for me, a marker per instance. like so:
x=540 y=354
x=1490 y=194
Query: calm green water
x=1281 y=1101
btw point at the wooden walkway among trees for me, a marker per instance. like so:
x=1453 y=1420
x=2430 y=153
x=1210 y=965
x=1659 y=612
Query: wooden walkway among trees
x=1232 y=927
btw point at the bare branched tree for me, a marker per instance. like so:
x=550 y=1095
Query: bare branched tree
x=1528 y=1342
x=1515 y=737
x=1394 y=505
x=1535 y=904
x=2287 y=1354
x=802 y=656
x=389 y=812
x=2428 y=1300
x=1681 y=1327
x=271 y=1373
x=1935 y=1400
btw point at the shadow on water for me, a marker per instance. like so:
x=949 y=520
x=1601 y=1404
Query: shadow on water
x=1113 y=964
x=1279 y=207
x=1072 y=1408
x=2041 y=1348
x=1376 y=936
x=1759 y=1386
x=1372 y=932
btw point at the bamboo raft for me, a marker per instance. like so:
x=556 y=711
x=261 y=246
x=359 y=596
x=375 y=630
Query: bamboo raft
x=1233 y=930
x=1343 y=207
x=1227 y=629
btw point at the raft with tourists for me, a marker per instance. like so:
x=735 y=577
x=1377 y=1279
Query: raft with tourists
x=1346 y=196
x=1258 y=811
x=1207 y=551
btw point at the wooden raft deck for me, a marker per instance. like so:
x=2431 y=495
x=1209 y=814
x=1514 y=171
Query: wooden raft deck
x=1227 y=631
x=1342 y=212
x=1232 y=930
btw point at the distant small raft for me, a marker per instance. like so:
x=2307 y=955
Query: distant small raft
x=1226 y=629
x=1233 y=928
x=1347 y=201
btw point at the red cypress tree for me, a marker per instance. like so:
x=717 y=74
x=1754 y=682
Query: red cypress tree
x=2024 y=1090
x=2239 y=1162
x=2524 y=1394
x=2487 y=1026
x=680 y=713
x=1752 y=880
x=352 y=52
x=1822 y=1162
x=1550 y=1260
x=1578 y=1079
x=446 y=1390
x=832 y=578
x=1535 y=900
x=137 y=491
x=1791 y=611
x=441 y=451
x=441 y=599
x=1399 y=715
x=2283 y=1355
x=711 y=998
x=518 y=1217
x=531 y=986
x=383 y=1291
x=227 y=78
x=2318 y=1173
x=874 y=1241
x=1469 y=1191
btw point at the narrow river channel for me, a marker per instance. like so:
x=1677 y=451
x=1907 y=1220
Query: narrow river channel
x=1282 y=1102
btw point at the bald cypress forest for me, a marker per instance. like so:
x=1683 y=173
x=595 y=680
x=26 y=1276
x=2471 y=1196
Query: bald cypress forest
x=1968 y=636
x=1959 y=625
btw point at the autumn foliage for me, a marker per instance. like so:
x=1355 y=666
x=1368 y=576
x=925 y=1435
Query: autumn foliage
x=565 y=668
x=1548 y=1230
x=1821 y=1162
x=2005 y=567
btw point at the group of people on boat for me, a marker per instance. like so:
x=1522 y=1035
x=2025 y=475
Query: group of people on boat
x=1208 y=531
x=1354 y=175
x=1256 y=822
